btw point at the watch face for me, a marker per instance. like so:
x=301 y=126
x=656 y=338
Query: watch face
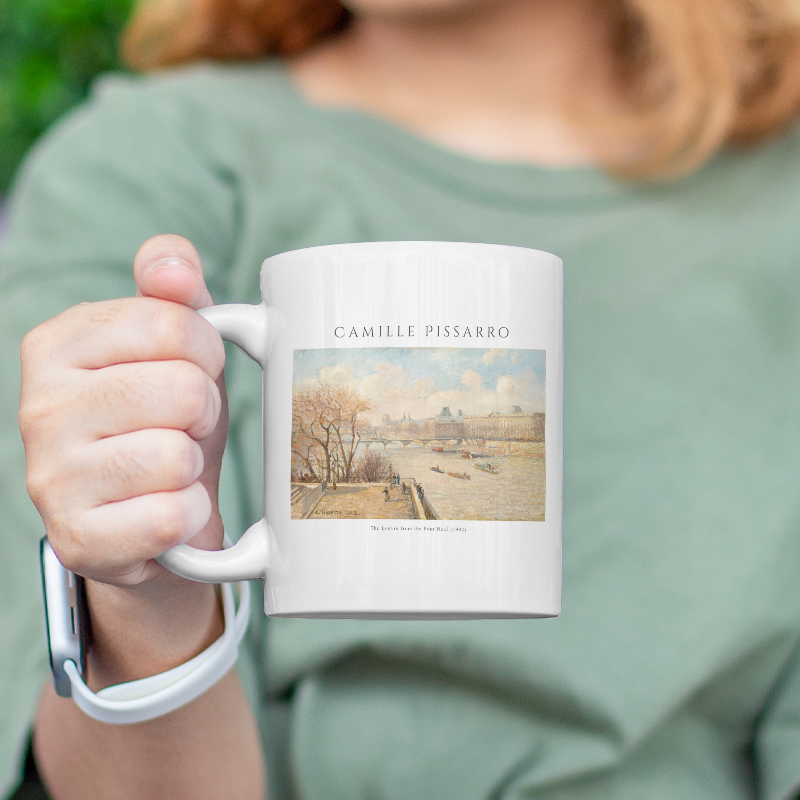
x=65 y=615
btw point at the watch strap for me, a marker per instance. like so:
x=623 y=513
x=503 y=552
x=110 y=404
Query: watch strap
x=154 y=696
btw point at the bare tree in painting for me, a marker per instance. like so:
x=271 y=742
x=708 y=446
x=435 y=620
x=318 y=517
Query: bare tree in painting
x=350 y=427
x=327 y=425
x=374 y=468
x=311 y=432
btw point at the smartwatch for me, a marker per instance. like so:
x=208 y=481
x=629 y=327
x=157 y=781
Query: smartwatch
x=66 y=615
x=68 y=637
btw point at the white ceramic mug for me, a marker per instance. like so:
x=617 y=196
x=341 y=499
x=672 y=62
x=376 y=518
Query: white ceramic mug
x=412 y=433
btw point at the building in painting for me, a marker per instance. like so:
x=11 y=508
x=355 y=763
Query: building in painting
x=514 y=426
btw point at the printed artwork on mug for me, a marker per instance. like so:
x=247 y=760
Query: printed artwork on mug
x=418 y=433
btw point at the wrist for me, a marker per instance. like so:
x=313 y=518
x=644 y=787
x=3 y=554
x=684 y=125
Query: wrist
x=126 y=688
x=157 y=695
x=141 y=631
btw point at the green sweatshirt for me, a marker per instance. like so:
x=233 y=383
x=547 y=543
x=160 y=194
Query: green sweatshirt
x=673 y=670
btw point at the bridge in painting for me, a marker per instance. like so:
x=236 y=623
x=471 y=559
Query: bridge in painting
x=386 y=440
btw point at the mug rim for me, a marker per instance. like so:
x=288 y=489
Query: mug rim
x=419 y=244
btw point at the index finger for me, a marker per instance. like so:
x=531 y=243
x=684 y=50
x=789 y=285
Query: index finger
x=96 y=335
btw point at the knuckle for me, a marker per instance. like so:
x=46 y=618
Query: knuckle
x=31 y=346
x=38 y=483
x=46 y=336
x=34 y=413
x=68 y=540
x=193 y=393
x=169 y=519
x=181 y=457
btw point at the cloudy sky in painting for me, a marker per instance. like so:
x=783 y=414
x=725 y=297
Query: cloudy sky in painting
x=421 y=380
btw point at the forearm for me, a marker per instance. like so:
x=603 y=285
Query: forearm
x=123 y=417
x=208 y=748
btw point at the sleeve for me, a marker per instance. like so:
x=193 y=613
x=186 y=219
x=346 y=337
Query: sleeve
x=130 y=164
x=777 y=740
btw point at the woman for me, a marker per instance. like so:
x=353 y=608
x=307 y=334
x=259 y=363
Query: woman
x=601 y=131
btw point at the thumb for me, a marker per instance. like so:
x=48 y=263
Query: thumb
x=169 y=268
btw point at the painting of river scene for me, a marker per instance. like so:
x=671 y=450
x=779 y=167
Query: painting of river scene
x=418 y=433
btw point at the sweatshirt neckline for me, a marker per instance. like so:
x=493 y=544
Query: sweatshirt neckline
x=514 y=182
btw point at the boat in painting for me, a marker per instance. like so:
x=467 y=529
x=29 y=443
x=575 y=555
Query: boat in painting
x=463 y=475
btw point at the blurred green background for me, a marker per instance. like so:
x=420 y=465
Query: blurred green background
x=50 y=50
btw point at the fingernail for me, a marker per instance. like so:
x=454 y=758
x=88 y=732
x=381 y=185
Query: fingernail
x=171 y=262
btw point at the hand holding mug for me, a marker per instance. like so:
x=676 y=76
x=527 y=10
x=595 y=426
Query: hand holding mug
x=123 y=418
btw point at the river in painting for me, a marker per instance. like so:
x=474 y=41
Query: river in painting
x=515 y=492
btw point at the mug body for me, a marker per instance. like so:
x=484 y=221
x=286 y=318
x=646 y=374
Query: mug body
x=413 y=431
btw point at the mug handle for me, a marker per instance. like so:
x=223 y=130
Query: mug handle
x=248 y=327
